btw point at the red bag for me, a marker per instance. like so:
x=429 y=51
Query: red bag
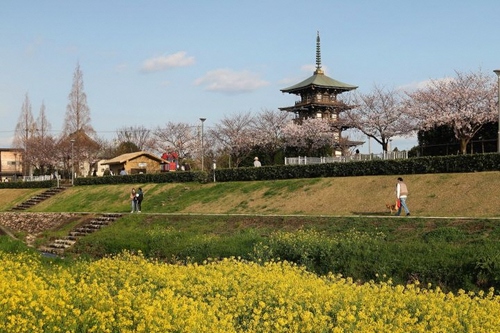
x=398 y=203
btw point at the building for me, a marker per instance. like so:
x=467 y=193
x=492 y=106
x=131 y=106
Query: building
x=11 y=164
x=318 y=98
x=134 y=163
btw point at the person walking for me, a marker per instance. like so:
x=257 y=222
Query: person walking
x=133 y=200
x=401 y=195
x=140 y=197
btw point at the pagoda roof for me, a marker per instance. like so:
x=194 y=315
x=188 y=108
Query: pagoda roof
x=318 y=79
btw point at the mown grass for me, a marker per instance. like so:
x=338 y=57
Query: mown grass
x=439 y=195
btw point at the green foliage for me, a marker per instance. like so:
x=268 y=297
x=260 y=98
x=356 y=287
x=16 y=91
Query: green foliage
x=157 y=240
x=366 y=256
x=165 y=177
x=126 y=147
x=448 y=234
x=450 y=255
x=418 y=165
x=8 y=244
x=441 y=140
x=37 y=184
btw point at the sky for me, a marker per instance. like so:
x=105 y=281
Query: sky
x=150 y=62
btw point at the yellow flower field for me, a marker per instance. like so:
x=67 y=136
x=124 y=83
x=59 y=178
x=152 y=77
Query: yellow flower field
x=131 y=294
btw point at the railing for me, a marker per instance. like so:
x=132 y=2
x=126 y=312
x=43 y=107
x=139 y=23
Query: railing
x=37 y=178
x=356 y=157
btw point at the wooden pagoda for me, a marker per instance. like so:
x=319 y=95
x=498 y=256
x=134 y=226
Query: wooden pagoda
x=318 y=98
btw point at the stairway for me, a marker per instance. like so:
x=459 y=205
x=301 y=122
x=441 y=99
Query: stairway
x=58 y=246
x=38 y=198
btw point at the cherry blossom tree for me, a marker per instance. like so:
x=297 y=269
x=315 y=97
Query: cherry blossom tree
x=465 y=103
x=380 y=115
x=309 y=136
x=234 y=135
x=267 y=127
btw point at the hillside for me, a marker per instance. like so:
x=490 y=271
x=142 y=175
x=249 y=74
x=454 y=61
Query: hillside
x=440 y=195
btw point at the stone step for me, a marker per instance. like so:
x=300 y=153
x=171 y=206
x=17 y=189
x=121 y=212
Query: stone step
x=59 y=245
x=38 y=198
x=64 y=242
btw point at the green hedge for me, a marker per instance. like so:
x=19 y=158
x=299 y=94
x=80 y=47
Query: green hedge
x=417 y=165
x=166 y=177
x=37 y=184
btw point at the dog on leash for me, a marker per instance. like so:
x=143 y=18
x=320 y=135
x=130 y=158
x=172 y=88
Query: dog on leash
x=391 y=207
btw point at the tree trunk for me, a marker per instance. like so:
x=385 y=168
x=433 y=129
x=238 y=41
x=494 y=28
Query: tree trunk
x=463 y=145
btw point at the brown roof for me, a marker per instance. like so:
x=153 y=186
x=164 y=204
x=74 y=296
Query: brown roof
x=130 y=156
x=319 y=80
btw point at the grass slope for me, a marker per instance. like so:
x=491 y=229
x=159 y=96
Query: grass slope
x=439 y=195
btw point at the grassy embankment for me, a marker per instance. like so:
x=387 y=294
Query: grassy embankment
x=440 y=195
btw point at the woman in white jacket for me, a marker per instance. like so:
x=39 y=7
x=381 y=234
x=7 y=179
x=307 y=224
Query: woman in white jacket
x=401 y=195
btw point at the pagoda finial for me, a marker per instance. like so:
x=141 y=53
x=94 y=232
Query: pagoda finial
x=318 y=56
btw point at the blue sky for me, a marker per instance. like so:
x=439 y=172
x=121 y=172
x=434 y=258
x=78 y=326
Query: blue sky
x=151 y=62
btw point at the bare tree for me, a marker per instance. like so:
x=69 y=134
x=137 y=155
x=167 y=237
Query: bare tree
x=380 y=115
x=234 y=135
x=140 y=136
x=25 y=129
x=465 y=103
x=77 y=125
x=178 y=137
x=43 y=144
x=77 y=111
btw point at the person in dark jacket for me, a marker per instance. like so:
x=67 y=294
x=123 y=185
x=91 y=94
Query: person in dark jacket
x=140 y=197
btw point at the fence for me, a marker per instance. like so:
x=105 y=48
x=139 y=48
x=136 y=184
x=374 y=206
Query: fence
x=37 y=178
x=392 y=155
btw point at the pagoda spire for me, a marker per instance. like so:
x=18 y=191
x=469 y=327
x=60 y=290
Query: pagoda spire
x=318 y=56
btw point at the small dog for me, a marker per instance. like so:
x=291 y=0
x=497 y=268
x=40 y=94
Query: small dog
x=391 y=207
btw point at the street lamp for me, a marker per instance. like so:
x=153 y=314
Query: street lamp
x=72 y=163
x=202 y=147
x=497 y=72
x=15 y=166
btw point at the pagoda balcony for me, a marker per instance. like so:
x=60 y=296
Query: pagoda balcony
x=318 y=102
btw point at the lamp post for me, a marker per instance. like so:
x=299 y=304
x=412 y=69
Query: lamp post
x=15 y=166
x=214 y=166
x=72 y=163
x=497 y=72
x=202 y=146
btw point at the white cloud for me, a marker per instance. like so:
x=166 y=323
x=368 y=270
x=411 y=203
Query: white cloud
x=165 y=62
x=228 y=81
